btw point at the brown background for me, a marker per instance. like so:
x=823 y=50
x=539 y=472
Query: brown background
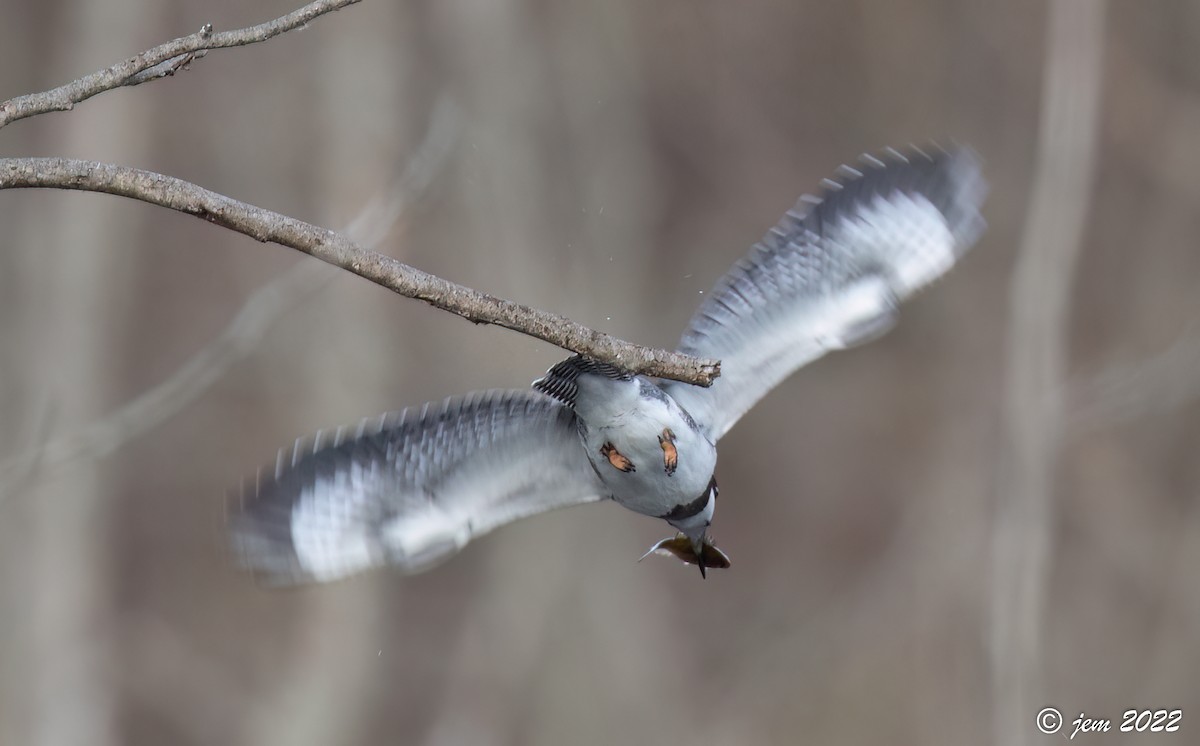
x=611 y=160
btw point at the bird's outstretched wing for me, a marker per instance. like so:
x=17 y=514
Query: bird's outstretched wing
x=830 y=275
x=410 y=488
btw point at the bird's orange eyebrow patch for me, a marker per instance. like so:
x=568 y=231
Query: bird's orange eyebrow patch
x=616 y=458
x=666 y=441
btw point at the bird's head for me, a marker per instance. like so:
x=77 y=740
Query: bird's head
x=692 y=544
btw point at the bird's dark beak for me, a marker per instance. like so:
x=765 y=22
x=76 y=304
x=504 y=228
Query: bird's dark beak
x=698 y=552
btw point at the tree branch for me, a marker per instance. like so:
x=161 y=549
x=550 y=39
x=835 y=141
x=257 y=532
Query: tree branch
x=159 y=62
x=330 y=246
x=264 y=225
x=263 y=308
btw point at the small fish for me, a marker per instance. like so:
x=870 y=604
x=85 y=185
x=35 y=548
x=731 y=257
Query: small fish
x=703 y=553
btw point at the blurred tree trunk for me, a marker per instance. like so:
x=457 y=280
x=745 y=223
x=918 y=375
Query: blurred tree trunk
x=74 y=273
x=324 y=695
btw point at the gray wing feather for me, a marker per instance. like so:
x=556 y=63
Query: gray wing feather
x=410 y=488
x=830 y=275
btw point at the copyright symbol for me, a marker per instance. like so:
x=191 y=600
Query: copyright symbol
x=1049 y=720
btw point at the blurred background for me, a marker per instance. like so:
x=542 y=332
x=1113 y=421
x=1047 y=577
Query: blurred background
x=989 y=511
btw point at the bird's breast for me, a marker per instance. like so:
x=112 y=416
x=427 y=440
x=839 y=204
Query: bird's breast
x=651 y=462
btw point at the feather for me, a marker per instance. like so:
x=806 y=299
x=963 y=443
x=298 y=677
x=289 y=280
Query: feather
x=831 y=275
x=562 y=381
x=411 y=488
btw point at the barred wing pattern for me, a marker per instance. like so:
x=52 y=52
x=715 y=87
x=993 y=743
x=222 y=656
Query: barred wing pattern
x=410 y=489
x=830 y=275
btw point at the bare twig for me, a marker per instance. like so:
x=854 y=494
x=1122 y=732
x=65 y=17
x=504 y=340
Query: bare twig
x=332 y=247
x=1125 y=391
x=102 y=437
x=1036 y=359
x=158 y=62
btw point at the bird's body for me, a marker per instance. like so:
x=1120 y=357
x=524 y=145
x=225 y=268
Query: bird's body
x=413 y=488
x=627 y=420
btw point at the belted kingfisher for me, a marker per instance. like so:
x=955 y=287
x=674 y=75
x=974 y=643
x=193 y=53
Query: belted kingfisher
x=412 y=488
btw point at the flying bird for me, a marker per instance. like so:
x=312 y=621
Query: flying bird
x=412 y=488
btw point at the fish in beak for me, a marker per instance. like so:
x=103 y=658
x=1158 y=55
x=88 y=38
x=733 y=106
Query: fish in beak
x=696 y=550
